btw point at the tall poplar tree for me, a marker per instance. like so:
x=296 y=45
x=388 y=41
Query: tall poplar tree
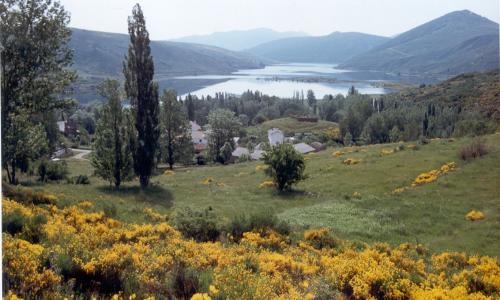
x=142 y=92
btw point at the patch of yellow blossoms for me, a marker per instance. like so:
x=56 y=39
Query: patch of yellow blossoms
x=261 y=167
x=474 y=215
x=428 y=177
x=434 y=174
x=142 y=259
x=169 y=173
x=351 y=161
x=267 y=184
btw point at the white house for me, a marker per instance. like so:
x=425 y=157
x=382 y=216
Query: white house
x=257 y=154
x=303 y=148
x=275 y=136
x=61 y=125
x=197 y=135
x=194 y=126
x=240 y=151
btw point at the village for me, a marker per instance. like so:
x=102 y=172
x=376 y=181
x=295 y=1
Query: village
x=275 y=136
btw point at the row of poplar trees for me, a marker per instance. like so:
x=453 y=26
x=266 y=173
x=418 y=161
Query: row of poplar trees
x=131 y=141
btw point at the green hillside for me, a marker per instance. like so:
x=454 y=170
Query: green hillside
x=333 y=48
x=100 y=54
x=458 y=42
x=432 y=214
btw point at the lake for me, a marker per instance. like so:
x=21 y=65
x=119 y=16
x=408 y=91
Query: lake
x=284 y=80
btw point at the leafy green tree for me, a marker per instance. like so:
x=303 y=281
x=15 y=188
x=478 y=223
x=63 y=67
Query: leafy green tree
x=395 y=134
x=142 y=92
x=348 y=139
x=22 y=143
x=285 y=166
x=176 y=133
x=311 y=100
x=35 y=71
x=223 y=127
x=226 y=152
x=111 y=156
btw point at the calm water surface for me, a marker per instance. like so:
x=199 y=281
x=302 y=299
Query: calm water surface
x=281 y=80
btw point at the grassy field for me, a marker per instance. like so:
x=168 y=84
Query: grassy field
x=432 y=214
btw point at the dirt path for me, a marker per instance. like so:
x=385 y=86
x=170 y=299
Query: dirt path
x=79 y=153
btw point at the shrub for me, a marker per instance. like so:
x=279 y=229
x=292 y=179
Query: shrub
x=423 y=140
x=52 y=170
x=475 y=149
x=185 y=281
x=29 y=227
x=256 y=222
x=320 y=238
x=244 y=158
x=28 y=196
x=42 y=170
x=474 y=215
x=80 y=179
x=14 y=222
x=110 y=210
x=286 y=166
x=198 y=225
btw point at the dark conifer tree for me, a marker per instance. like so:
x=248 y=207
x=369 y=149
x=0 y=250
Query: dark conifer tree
x=142 y=92
x=190 y=107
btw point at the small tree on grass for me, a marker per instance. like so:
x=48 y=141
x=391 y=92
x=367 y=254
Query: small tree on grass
x=226 y=151
x=175 y=139
x=286 y=166
x=111 y=156
x=223 y=127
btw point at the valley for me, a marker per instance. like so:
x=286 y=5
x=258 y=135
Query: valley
x=212 y=150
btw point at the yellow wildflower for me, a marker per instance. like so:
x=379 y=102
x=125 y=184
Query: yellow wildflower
x=474 y=215
x=261 y=167
x=338 y=153
x=200 y=296
x=351 y=161
x=386 y=152
x=267 y=184
x=169 y=173
x=207 y=181
x=213 y=290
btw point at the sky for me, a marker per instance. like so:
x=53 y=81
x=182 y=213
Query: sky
x=167 y=19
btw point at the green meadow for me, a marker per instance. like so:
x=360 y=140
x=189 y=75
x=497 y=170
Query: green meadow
x=356 y=201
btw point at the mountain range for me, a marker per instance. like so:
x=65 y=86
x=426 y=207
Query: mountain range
x=100 y=54
x=239 y=40
x=455 y=43
x=333 y=48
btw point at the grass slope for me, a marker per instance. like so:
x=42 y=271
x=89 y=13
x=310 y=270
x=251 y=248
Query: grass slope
x=432 y=214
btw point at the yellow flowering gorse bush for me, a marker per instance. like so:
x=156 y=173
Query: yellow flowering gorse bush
x=433 y=175
x=91 y=254
x=267 y=184
x=474 y=215
x=351 y=161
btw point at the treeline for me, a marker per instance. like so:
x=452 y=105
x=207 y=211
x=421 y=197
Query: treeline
x=363 y=119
